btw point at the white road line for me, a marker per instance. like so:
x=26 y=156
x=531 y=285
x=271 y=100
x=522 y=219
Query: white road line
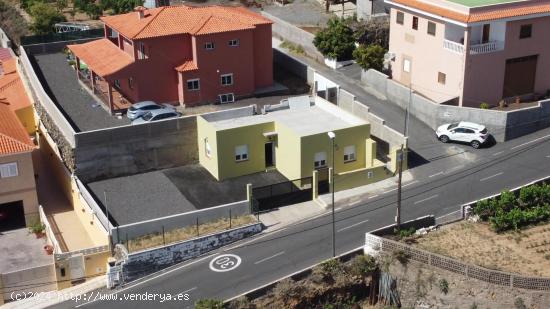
x=349 y=227
x=548 y=156
x=410 y=183
x=440 y=173
x=495 y=175
x=341 y=207
x=373 y=196
x=455 y=168
x=428 y=198
x=497 y=153
x=355 y=203
x=154 y=277
x=269 y=258
x=187 y=291
x=389 y=191
x=529 y=142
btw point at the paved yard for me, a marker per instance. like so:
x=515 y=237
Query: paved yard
x=301 y=13
x=172 y=191
x=80 y=108
x=20 y=249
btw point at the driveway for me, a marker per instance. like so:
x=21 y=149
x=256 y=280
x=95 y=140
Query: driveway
x=79 y=107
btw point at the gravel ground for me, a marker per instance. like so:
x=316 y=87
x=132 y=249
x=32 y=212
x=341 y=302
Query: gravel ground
x=301 y=13
x=141 y=197
x=81 y=109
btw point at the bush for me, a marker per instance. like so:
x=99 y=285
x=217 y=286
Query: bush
x=209 y=304
x=363 y=265
x=12 y=22
x=510 y=212
x=336 y=41
x=371 y=57
x=404 y=233
x=484 y=105
x=37 y=227
x=444 y=286
x=375 y=31
x=401 y=256
x=287 y=290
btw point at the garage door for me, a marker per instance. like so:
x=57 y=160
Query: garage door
x=12 y=216
x=519 y=78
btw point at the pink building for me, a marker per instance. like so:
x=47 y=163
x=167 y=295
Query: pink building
x=474 y=50
x=179 y=55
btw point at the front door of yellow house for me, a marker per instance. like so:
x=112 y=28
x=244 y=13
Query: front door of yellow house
x=269 y=154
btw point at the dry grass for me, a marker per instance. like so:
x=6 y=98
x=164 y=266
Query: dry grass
x=186 y=233
x=525 y=252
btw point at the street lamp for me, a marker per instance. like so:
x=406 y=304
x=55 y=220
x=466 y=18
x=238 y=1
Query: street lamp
x=332 y=137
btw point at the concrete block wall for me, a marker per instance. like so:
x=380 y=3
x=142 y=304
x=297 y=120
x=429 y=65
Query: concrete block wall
x=132 y=149
x=293 y=34
x=134 y=230
x=145 y=262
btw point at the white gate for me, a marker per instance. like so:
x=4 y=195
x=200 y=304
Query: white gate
x=76 y=266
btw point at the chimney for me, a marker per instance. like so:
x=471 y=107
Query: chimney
x=141 y=11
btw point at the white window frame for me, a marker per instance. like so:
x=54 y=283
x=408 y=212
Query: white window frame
x=241 y=153
x=406 y=65
x=9 y=170
x=233 y=43
x=225 y=76
x=207 y=149
x=349 y=154
x=192 y=81
x=226 y=98
x=320 y=159
x=209 y=45
x=141 y=51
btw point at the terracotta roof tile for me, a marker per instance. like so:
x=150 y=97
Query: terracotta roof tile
x=12 y=91
x=173 y=20
x=13 y=136
x=6 y=54
x=522 y=9
x=189 y=65
x=102 y=56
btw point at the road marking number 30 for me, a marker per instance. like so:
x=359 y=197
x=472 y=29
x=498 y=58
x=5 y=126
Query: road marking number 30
x=225 y=262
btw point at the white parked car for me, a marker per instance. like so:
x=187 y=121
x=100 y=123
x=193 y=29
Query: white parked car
x=466 y=132
x=141 y=108
x=157 y=114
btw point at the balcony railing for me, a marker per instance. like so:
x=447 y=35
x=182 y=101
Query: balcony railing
x=476 y=49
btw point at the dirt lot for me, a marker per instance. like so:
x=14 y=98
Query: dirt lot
x=525 y=252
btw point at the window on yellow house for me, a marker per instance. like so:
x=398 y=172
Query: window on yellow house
x=349 y=153
x=320 y=160
x=241 y=153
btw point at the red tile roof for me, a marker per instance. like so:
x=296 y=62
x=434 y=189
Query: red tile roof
x=12 y=90
x=13 y=136
x=5 y=54
x=173 y=20
x=522 y=9
x=189 y=65
x=102 y=56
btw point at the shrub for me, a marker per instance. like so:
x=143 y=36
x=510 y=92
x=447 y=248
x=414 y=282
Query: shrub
x=37 y=227
x=209 y=304
x=404 y=233
x=44 y=18
x=336 y=40
x=375 y=31
x=12 y=22
x=371 y=57
x=484 y=105
x=519 y=303
x=444 y=286
x=287 y=290
x=363 y=265
x=401 y=256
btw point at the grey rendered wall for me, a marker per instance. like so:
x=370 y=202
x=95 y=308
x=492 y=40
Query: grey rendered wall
x=134 y=230
x=291 y=33
x=131 y=149
x=146 y=262
x=502 y=125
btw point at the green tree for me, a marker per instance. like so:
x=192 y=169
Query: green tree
x=336 y=41
x=120 y=6
x=44 y=17
x=370 y=57
x=61 y=5
x=374 y=31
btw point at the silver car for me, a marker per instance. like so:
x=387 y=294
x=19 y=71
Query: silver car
x=158 y=114
x=141 y=108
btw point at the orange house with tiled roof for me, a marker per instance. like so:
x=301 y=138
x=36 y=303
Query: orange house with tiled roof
x=471 y=52
x=181 y=54
x=18 y=199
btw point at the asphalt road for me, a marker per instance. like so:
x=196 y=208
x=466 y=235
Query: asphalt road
x=268 y=257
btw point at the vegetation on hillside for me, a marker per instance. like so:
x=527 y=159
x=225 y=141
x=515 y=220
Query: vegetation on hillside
x=510 y=211
x=12 y=22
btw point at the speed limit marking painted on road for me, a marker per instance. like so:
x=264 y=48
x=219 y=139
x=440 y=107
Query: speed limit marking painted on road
x=225 y=262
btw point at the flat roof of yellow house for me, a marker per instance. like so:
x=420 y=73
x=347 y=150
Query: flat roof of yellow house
x=319 y=117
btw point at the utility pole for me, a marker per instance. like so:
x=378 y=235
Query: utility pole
x=108 y=221
x=332 y=136
x=400 y=158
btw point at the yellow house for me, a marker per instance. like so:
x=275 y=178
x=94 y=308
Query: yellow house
x=291 y=137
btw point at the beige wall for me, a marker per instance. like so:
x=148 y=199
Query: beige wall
x=21 y=187
x=288 y=153
x=428 y=57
